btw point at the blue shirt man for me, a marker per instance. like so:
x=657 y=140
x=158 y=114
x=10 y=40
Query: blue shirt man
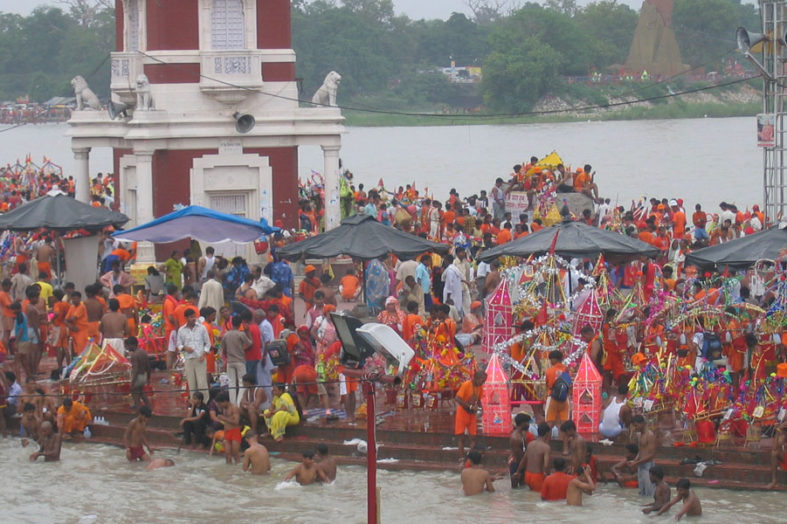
x=423 y=275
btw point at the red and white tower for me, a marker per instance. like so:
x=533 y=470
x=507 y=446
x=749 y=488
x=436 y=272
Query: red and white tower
x=206 y=61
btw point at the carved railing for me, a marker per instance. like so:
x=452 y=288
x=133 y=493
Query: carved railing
x=230 y=75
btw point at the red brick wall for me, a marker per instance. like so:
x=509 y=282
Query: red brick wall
x=173 y=24
x=273 y=24
x=278 y=72
x=119 y=18
x=173 y=73
x=284 y=162
x=171 y=186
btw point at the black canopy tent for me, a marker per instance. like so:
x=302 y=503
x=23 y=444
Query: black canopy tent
x=744 y=251
x=363 y=237
x=61 y=213
x=574 y=239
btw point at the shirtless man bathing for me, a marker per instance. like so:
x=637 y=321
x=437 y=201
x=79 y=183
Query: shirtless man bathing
x=230 y=417
x=582 y=483
x=691 y=502
x=475 y=479
x=535 y=461
x=50 y=444
x=256 y=458
x=307 y=471
x=135 y=439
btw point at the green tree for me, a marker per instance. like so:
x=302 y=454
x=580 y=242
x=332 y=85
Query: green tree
x=705 y=29
x=458 y=37
x=515 y=78
x=40 y=53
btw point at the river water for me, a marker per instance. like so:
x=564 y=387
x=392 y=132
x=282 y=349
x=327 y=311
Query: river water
x=94 y=483
x=703 y=160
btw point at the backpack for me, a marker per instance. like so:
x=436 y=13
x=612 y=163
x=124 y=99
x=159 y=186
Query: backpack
x=277 y=350
x=711 y=346
x=561 y=387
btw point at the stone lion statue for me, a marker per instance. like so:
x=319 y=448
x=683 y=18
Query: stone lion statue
x=144 y=99
x=326 y=94
x=86 y=98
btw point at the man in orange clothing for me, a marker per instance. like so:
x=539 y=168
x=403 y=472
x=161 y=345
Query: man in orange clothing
x=60 y=310
x=583 y=182
x=467 y=400
x=612 y=335
x=556 y=485
x=700 y=220
x=505 y=234
x=170 y=320
x=7 y=314
x=308 y=286
x=189 y=302
x=447 y=326
x=735 y=346
x=76 y=319
x=350 y=286
x=128 y=306
x=412 y=322
x=557 y=411
x=72 y=417
x=678 y=218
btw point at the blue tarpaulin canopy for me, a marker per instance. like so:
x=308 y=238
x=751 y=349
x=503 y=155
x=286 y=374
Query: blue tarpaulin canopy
x=200 y=223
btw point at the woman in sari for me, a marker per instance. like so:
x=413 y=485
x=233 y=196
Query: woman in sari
x=392 y=316
x=283 y=414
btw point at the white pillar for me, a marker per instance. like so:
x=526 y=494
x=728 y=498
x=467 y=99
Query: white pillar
x=82 y=175
x=144 y=174
x=333 y=213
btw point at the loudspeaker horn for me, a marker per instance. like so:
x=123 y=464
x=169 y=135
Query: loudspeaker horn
x=244 y=122
x=117 y=109
x=747 y=40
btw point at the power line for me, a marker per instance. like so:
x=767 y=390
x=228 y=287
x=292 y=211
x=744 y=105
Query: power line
x=479 y=116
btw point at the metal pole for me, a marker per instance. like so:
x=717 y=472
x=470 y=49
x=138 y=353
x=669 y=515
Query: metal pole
x=371 y=454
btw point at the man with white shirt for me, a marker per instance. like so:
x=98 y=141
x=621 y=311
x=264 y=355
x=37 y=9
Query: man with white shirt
x=262 y=284
x=406 y=268
x=194 y=342
x=265 y=370
x=466 y=271
x=211 y=293
x=452 y=288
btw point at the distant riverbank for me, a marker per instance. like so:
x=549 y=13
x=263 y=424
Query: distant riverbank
x=597 y=105
x=675 y=110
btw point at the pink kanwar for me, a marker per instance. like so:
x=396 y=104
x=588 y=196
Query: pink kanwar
x=496 y=401
x=586 y=399
x=499 y=321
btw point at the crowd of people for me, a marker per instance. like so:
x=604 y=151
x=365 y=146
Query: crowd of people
x=253 y=364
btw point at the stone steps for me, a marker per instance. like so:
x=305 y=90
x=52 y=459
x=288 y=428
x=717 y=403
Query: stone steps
x=419 y=450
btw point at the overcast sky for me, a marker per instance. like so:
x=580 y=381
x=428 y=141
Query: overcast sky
x=415 y=9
